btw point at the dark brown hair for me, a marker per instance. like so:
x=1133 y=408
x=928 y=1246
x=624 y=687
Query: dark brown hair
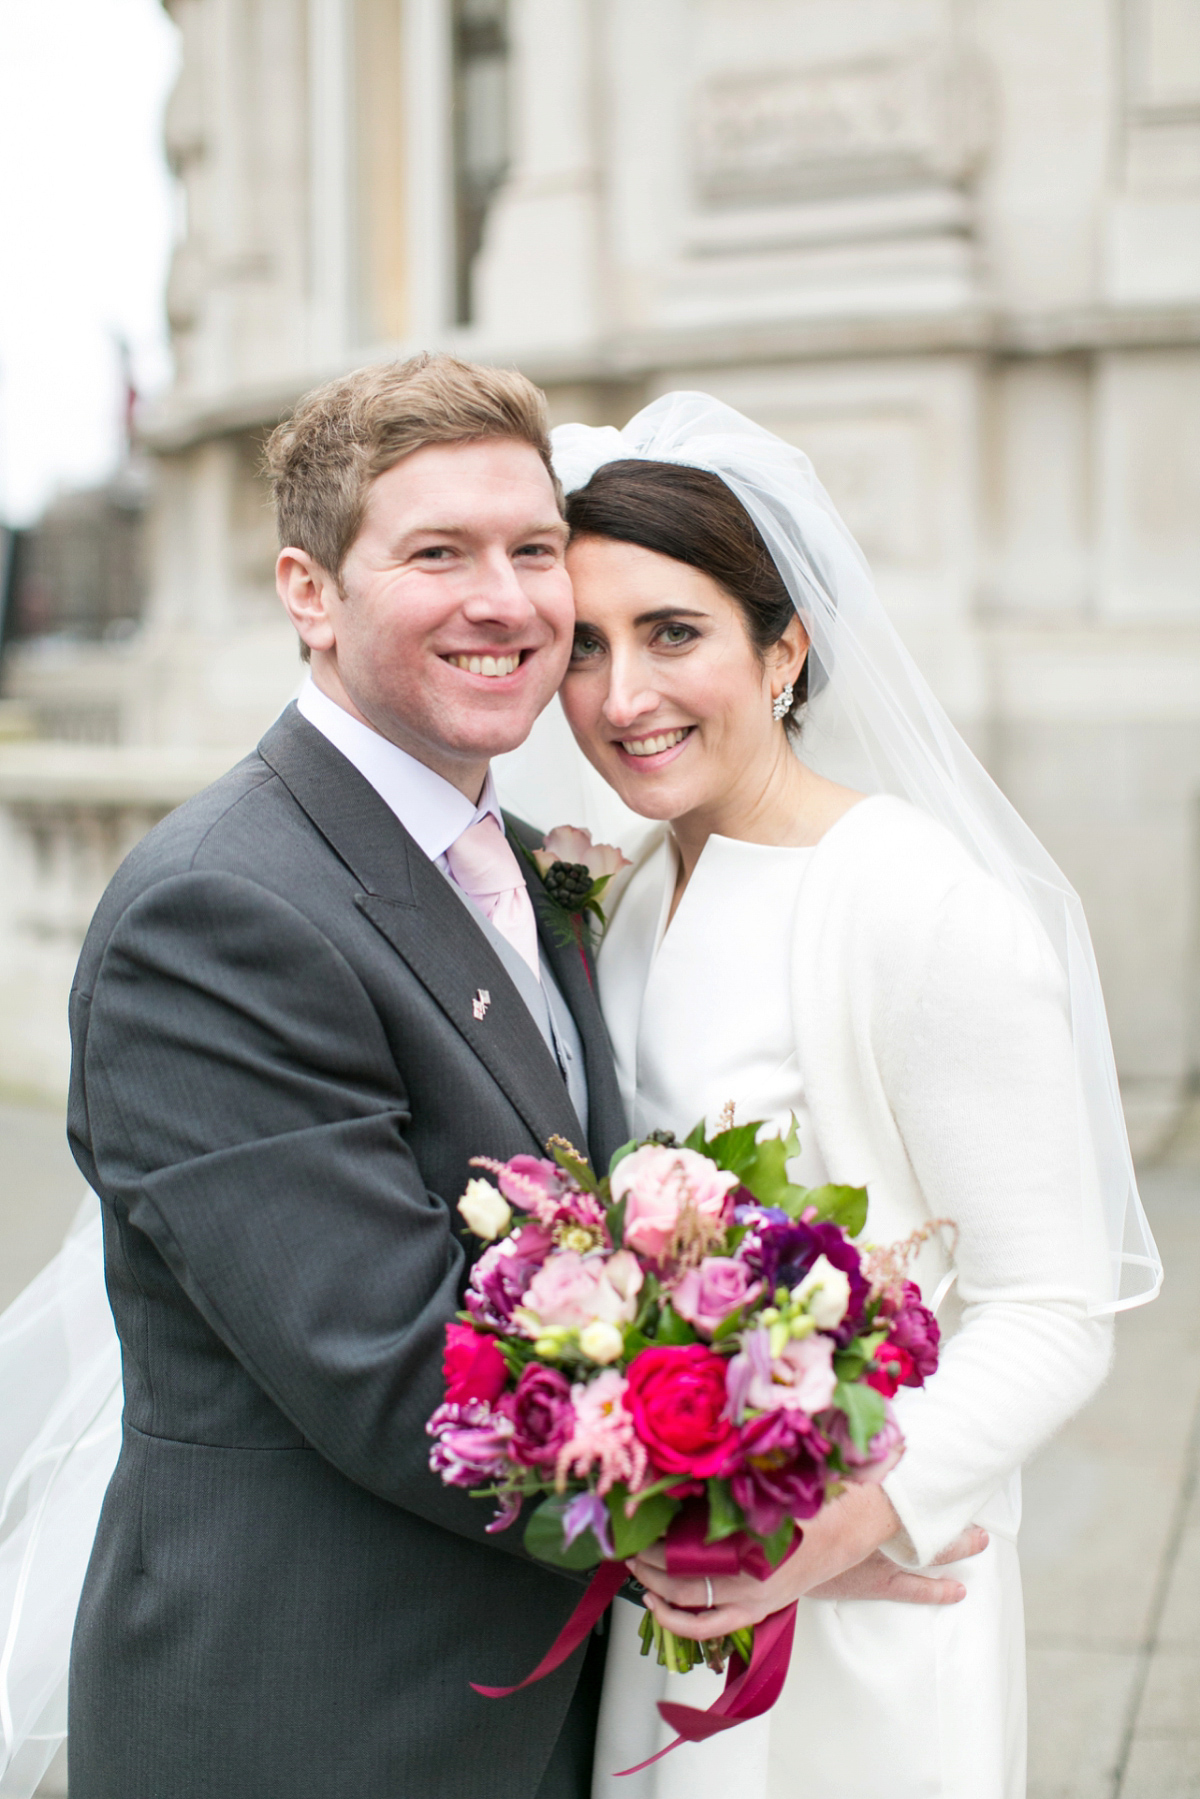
x=691 y=516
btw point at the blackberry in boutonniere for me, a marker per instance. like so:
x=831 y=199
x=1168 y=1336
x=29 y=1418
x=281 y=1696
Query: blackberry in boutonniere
x=574 y=872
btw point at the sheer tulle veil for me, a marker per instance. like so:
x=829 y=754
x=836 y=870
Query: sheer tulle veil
x=60 y=1428
x=872 y=723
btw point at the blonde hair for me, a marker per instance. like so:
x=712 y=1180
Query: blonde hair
x=322 y=460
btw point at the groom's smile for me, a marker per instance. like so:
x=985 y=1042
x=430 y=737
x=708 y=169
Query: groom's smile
x=449 y=625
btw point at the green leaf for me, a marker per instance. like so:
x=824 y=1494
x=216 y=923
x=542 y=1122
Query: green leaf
x=619 y=1155
x=848 y=1363
x=673 y=1330
x=725 y=1515
x=864 y=1411
x=635 y=1342
x=766 y=1174
x=729 y=1326
x=779 y=1542
x=648 y=1303
x=517 y=1355
x=614 y=1219
x=573 y=1163
x=649 y=1522
x=735 y=1149
x=763 y=1166
x=846 y=1206
x=544 y=1536
x=696 y=1139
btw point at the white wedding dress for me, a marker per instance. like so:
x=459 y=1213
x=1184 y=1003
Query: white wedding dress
x=921 y=1702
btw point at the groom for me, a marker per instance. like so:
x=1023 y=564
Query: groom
x=306 y=1000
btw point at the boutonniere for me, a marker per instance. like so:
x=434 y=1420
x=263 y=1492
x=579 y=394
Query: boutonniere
x=574 y=872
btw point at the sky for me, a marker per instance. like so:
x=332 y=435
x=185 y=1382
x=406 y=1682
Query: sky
x=87 y=213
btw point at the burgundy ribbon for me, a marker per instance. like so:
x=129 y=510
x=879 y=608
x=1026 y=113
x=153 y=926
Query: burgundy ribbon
x=603 y=1588
x=749 y=1690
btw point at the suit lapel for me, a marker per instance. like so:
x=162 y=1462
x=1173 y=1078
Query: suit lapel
x=575 y=974
x=407 y=900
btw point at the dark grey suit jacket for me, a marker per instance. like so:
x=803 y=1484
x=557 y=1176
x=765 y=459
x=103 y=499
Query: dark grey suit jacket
x=277 y=1083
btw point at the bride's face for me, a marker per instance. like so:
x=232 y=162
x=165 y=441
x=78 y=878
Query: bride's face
x=665 y=692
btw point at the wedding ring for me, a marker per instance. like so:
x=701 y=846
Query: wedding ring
x=708 y=1592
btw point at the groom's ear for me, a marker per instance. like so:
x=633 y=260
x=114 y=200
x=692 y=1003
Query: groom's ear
x=310 y=595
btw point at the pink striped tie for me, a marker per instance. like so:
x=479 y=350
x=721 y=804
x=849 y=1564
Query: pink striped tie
x=482 y=863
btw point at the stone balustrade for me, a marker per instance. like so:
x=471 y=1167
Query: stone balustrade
x=69 y=814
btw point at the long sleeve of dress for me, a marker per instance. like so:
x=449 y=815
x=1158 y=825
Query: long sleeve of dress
x=981 y=1082
x=941 y=1072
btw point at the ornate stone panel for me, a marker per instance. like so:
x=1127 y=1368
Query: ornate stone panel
x=844 y=127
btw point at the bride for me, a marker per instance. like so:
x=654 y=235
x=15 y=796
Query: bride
x=911 y=977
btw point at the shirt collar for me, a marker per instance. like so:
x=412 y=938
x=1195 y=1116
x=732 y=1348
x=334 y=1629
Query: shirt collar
x=430 y=808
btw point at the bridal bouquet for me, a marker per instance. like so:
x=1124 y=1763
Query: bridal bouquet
x=691 y=1349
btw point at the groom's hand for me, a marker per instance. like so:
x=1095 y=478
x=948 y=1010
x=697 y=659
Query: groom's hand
x=879 y=1577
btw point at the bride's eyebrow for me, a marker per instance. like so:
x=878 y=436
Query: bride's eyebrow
x=662 y=613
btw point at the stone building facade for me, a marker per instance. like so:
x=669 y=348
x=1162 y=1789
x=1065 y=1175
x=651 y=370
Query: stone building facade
x=951 y=249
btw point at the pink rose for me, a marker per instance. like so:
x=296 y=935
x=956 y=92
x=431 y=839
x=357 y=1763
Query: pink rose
x=473 y=1366
x=571 y=1291
x=706 y=1296
x=676 y=1398
x=656 y=1184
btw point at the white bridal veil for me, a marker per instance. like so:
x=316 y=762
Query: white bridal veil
x=60 y=1428
x=872 y=724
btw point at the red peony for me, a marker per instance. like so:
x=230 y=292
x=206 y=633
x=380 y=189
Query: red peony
x=473 y=1366
x=893 y=1368
x=676 y=1398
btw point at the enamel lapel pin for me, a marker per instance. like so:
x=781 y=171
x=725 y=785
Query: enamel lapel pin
x=480 y=1003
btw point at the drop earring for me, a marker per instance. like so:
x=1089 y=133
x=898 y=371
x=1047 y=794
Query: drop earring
x=783 y=704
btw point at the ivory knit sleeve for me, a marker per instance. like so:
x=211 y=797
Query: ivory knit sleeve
x=973 y=1049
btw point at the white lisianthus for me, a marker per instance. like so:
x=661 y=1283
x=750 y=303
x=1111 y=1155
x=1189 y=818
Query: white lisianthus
x=825 y=1293
x=485 y=1211
x=601 y=1341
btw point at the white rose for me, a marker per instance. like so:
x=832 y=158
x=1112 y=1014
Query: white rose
x=620 y=1284
x=825 y=1292
x=600 y=1341
x=485 y=1210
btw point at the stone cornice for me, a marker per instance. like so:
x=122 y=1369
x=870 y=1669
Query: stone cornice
x=179 y=421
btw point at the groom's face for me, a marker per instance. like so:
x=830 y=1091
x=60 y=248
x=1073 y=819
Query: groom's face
x=452 y=623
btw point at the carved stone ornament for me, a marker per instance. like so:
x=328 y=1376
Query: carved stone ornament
x=840 y=128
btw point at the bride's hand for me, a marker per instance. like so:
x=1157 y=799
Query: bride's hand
x=840 y=1538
